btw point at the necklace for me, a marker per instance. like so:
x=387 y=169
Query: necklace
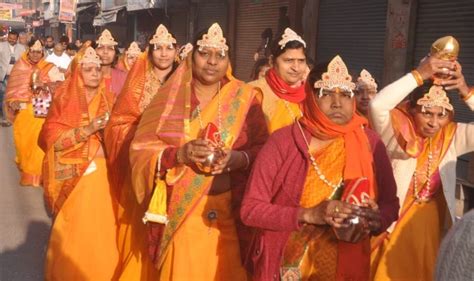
x=219 y=117
x=336 y=187
x=292 y=114
x=425 y=195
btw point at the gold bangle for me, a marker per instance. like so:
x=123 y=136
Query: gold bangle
x=469 y=94
x=417 y=76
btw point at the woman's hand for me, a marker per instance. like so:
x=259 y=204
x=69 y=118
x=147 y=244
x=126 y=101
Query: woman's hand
x=97 y=124
x=15 y=105
x=457 y=81
x=233 y=160
x=430 y=66
x=195 y=151
x=331 y=212
x=371 y=213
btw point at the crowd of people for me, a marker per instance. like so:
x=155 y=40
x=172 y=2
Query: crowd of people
x=159 y=164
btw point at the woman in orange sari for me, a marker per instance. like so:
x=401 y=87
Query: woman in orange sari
x=190 y=159
x=18 y=100
x=146 y=77
x=319 y=188
x=128 y=59
x=283 y=85
x=424 y=143
x=82 y=244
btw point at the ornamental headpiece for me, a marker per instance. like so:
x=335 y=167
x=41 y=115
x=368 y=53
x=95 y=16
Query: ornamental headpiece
x=162 y=37
x=366 y=79
x=106 y=39
x=288 y=36
x=214 y=38
x=133 y=50
x=90 y=56
x=336 y=77
x=37 y=46
x=435 y=97
x=185 y=50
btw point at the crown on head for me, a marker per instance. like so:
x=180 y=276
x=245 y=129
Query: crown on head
x=90 y=56
x=435 y=97
x=162 y=37
x=133 y=50
x=288 y=36
x=366 y=79
x=214 y=38
x=337 y=76
x=106 y=39
x=37 y=46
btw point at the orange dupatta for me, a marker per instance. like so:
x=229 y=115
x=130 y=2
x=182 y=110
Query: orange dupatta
x=19 y=82
x=353 y=258
x=166 y=123
x=70 y=110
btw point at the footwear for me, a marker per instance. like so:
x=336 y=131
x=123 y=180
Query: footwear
x=5 y=123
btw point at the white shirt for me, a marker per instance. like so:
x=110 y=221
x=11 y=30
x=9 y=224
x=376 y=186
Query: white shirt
x=62 y=61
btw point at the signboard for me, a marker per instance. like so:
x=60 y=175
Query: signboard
x=5 y=14
x=134 y=5
x=67 y=10
x=10 y=6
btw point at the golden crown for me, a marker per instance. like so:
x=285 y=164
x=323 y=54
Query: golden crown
x=106 y=39
x=366 y=79
x=37 y=46
x=337 y=76
x=162 y=37
x=435 y=97
x=288 y=36
x=133 y=50
x=214 y=38
x=90 y=56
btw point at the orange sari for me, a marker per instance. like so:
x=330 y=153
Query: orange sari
x=313 y=249
x=138 y=91
x=82 y=244
x=409 y=252
x=26 y=126
x=166 y=123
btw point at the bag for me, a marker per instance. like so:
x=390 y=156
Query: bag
x=41 y=102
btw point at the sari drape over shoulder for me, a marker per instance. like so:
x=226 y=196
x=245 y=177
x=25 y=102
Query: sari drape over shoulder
x=26 y=126
x=139 y=89
x=82 y=244
x=167 y=124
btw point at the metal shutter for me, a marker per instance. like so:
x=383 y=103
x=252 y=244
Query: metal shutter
x=356 y=31
x=210 y=12
x=178 y=25
x=436 y=19
x=252 y=18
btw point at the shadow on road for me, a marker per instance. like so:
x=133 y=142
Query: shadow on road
x=26 y=262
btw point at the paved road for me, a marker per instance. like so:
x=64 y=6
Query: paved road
x=24 y=224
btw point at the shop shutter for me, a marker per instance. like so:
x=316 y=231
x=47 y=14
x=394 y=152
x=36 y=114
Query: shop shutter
x=436 y=19
x=356 y=31
x=252 y=18
x=209 y=12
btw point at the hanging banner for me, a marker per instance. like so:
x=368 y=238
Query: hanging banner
x=5 y=14
x=67 y=10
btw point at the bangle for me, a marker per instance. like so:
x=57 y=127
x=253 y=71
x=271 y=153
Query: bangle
x=469 y=94
x=418 y=77
x=247 y=158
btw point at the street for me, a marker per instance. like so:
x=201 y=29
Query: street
x=24 y=224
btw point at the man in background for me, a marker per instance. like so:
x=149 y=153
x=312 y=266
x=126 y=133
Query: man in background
x=59 y=57
x=49 y=45
x=10 y=52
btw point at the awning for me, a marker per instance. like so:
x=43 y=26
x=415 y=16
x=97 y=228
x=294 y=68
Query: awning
x=107 y=16
x=83 y=7
x=135 y=5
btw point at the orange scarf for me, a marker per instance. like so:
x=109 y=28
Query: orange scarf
x=353 y=258
x=19 y=82
x=68 y=111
